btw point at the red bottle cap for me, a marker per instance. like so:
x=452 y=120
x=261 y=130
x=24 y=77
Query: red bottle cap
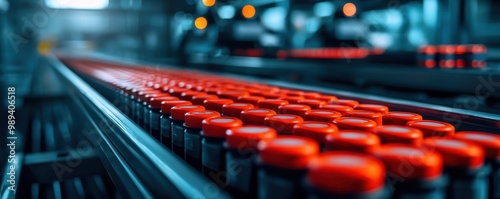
x=140 y=91
x=352 y=140
x=178 y=112
x=313 y=103
x=234 y=109
x=321 y=115
x=217 y=127
x=294 y=109
x=457 y=153
x=256 y=116
x=141 y=95
x=177 y=91
x=216 y=104
x=200 y=100
x=489 y=141
x=399 y=134
x=311 y=95
x=294 y=93
x=234 y=94
x=431 y=128
x=272 y=104
x=327 y=98
x=213 y=91
x=148 y=97
x=372 y=115
x=315 y=130
x=166 y=106
x=194 y=119
x=188 y=95
x=420 y=163
x=339 y=108
x=293 y=99
x=373 y=107
x=283 y=123
x=250 y=99
x=247 y=137
x=346 y=173
x=355 y=123
x=156 y=102
x=345 y=102
x=291 y=152
x=273 y=95
x=400 y=118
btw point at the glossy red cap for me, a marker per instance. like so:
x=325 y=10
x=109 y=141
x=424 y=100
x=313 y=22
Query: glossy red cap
x=193 y=119
x=247 y=137
x=372 y=115
x=419 y=163
x=234 y=109
x=177 y=91
x=345 y=102
x=315 y=130
x=256 y=116
x=346 y=173
x=282 y=123
x=292 y=99
x=188 y=95
x=294 y=93
x=373 y=107
x=148 y=97
x=322 y=115
x=166 y=106
x=156 y=102
x=272 y=95
x=457 y=153
x=311 y=95
x=489 y=141
x=272 y=104
x=294 y=109
x=400 y=118
x=313 y=103
x=352 y=140
x=355 y=123
x=217 y=127
x=250 y=99
x=431 y=128
x=142 y=94
x=178 y=112
x=399 y=134
x=200 y=100
x=327 y=98
x=216 y=104
x=213 y=91
x=233 y=94
x=342 y=109
x=291 y=152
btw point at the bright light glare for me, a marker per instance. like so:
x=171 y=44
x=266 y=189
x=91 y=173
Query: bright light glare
x=77 y=4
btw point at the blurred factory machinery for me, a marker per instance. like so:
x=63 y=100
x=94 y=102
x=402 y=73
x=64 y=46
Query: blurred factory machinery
x=89 y=86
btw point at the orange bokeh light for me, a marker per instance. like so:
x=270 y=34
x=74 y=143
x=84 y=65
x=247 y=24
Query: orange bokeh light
x=349 y=9
x=200 y=23
x=248 y=11
x=208 y=3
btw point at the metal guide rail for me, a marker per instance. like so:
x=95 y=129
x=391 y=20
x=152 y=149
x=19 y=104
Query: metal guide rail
x=136 y=163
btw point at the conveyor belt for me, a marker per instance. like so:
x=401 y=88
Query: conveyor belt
x=136 y=163
x=464 y=119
